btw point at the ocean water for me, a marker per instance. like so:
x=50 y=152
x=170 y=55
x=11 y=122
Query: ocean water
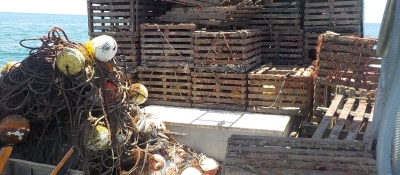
x=17 y=26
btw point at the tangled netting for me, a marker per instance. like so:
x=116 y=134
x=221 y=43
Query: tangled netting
x=61 y=110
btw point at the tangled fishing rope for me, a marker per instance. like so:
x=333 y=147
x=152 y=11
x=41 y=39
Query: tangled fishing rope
x=64 y=111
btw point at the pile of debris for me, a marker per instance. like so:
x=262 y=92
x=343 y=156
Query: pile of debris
x=67 y=94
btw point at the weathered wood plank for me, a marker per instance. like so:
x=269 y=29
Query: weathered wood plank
x=368 y=139
x=328 y=117
x=296 y=143
x=341 y=120
x=358 y=118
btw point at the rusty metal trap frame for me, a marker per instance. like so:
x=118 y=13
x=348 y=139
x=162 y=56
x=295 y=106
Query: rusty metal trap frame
x=322 y=15
x=348 y=61
x=348 y=117
x=276 y=15
x=254 y=155
x=283 y=47
x=227 y=51
x=225 y=91
x=208 y=16
x=167 y=45
x=280 y=90
x=311 y=42
x=166 y=86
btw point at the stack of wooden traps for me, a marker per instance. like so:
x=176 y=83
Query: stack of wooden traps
x=344 y=60
x=227 y=51
x=167 y=63
x=280 y=90
x=120 y=19
x=342 y=16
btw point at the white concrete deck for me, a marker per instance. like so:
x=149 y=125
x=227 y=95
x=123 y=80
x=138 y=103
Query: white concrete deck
x=208 y=130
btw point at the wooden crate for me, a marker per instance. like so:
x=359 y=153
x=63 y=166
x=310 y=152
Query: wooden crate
x=122 y=17
x=252 y=155
x=266 y=94
x=311 y=43
x=325 y=15
x=208 y=16
x=224 y=91
x=166 y=86
x=270 y=16
x=169 y=45
x=283 y=47
x=348 y=61
x=348 y=117
x=22 y=167
x=227 y=51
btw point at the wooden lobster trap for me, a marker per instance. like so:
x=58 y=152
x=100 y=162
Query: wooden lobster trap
x=349 y=61
x=225 y=91
x=311 y=43
x=235 y=51
x=280 y=90
x=169 y=45
x=166 y=86
x=283 y=47
x=328 y=15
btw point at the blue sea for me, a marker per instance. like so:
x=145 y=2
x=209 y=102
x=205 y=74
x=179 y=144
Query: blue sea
x=17 y=26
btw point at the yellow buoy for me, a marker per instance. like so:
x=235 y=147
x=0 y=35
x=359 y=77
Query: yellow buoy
x=138 y=93
x=8 y=67
x=70 y=61
x=97 y=138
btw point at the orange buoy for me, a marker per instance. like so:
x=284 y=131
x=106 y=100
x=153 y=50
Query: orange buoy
x=14 y=129
x=111 y=92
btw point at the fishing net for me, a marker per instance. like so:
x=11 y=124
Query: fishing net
x=64 y=111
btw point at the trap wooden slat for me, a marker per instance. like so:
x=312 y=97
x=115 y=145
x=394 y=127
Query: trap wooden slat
x=328 y=117
x=198 y=3
x=341 y=120
x=166 y=86
x=368 y=139
x=283 y=155
x=344 y=122
x=266 y=94
x=225 y=91
x=358 y=118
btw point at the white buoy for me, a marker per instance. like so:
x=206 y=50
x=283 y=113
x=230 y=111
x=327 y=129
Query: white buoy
x=191 y=171
x=105 y=47
x=210 y=166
